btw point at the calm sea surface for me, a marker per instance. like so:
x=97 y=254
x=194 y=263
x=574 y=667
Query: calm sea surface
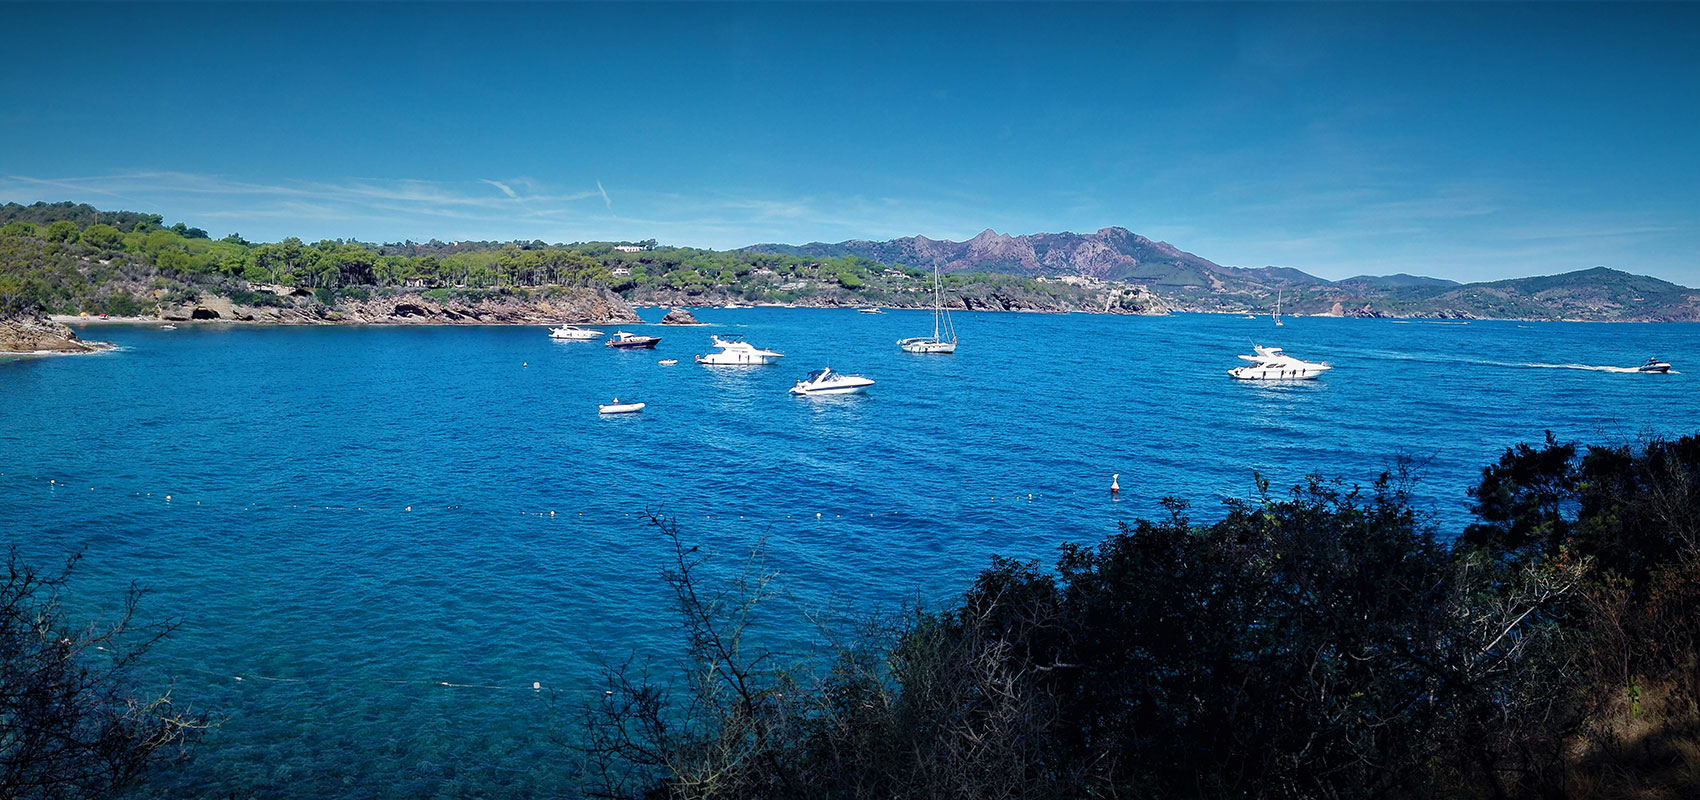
x=361 y=649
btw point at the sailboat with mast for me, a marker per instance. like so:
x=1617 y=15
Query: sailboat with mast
x=1278 y=308
x=943 y=339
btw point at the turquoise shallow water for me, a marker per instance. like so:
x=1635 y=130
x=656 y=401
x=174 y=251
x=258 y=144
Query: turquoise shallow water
x=291 y=455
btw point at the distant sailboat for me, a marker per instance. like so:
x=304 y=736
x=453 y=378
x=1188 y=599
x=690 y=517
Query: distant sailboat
x=1278 y=308
x=937 y=343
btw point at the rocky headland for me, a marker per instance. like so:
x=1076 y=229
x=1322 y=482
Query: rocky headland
x=31 y=332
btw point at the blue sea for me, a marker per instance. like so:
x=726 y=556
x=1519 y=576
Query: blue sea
x=379 y=539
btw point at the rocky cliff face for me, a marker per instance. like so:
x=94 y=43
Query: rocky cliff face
x=583 y=306
x=30 y=332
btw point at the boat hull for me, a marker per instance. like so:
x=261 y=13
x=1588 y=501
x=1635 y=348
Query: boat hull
x=847 y=387
x=619 y=408
x=927 y=346
x=1253 y=373
x=635 y=344
x=736 y=359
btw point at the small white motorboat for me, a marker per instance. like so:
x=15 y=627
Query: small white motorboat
x=825 y=381
x=870 y=310
x=168 y=327
x=1654 y=365
x=668 y=362
x=618 y=407
x=1270 y=364
x=735 y=352
x=574 y=332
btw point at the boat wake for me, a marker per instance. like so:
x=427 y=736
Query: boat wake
x=1388 y=356
x=1589 y=367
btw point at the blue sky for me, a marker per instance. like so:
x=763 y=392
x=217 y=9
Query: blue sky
x=1472 y=142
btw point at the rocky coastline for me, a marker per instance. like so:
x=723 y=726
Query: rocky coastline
x=28 y=332
x=282 y=306
x=1104 y=299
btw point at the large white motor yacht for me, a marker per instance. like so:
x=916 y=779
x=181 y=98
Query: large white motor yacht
x=734 y=352
x=825 y=381
x=574 y=332
x=1270 y=364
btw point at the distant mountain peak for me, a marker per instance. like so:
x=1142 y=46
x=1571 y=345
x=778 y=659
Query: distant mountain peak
x=1112 y=253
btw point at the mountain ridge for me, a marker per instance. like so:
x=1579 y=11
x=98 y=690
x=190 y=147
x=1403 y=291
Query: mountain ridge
x=1185 y=281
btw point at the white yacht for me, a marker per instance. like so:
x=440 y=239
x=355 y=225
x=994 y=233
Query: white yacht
x=1270 y=364
x=574 y=332
x=1654 y=365
x=734 y=352
x=943 y=339
x=825 y=381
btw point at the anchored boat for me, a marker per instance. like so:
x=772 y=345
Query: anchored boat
x=943 y=339
x=574 y=332
x=632 y=341
x=825 y=381
x=735 y=352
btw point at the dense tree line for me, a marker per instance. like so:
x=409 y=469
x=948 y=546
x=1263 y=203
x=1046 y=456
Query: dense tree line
x=1322 y=644
x=70 y=258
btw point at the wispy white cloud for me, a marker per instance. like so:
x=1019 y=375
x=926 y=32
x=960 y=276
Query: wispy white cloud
x=604 y=192
x=504 y=187
x=368 y=208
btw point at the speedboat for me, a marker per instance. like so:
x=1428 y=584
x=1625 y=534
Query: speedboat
x=668 y=362
x=734 y=351
x=1654 y=365
x=632 y=341
x=168 y=327
x=618 y=407
x=1270 y=364
x=870 y=310
x=825 y=381
x=574 y=332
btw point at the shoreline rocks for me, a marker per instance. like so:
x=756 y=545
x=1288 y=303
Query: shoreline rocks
x=298 y=307
x=32 y=332
x=679 y=316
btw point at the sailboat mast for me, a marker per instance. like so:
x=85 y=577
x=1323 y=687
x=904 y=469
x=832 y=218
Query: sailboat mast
x=937 y=303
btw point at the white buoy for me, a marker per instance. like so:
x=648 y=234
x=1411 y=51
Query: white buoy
x=817 y=515
x=536 y=685
x=1115 y=486
x=409 y=508
x=168 y=498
